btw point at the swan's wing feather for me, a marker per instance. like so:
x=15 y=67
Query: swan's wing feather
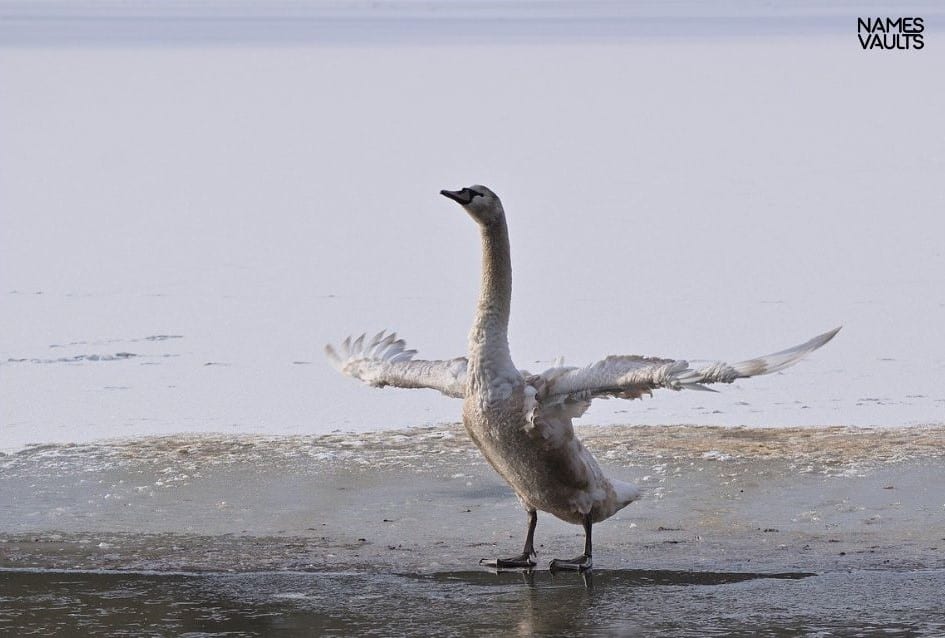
x=630 y=377
x=783 y=359
x=385 y=360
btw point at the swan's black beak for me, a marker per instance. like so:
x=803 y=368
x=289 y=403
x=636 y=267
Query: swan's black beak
x=462 y=197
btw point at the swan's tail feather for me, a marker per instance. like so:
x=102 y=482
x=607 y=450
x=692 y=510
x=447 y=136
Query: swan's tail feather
x=626 y=492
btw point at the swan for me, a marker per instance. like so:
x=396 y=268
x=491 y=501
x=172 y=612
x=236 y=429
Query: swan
x=521 y=422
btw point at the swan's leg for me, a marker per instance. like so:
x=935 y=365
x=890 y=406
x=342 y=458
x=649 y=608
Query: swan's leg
x=528 y=553
x=578 y=563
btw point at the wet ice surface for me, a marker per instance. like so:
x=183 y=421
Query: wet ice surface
x=618 y=603
x=804 y=531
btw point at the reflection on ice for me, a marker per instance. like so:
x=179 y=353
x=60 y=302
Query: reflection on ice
x=619 y=603
x=604 y=577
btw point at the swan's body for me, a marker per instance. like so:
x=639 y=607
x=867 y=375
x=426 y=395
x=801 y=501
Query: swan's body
x=522 y=422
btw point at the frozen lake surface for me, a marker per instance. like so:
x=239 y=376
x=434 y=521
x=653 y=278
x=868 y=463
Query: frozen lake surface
x=740 y=532
x=463 y=603
x=185 y=225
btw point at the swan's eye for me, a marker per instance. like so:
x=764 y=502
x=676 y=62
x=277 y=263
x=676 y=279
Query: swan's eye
x=475 y=193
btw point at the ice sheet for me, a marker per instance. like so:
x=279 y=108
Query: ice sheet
x=184 y=227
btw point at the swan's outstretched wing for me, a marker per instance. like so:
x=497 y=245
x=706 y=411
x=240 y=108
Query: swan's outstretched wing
x=384 y=360
x=630 y=377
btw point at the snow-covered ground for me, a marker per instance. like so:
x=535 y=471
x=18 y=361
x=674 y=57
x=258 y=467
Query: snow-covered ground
x=184 y=225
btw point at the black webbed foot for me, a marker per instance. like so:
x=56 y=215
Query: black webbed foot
x=522 y=561
x=577 y=564
x=580 y=563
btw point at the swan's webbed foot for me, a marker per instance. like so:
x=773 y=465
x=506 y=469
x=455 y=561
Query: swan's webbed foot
x=577 y=564
x=522 y=561
x=580 y=563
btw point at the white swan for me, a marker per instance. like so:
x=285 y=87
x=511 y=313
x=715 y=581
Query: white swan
x=521 y=422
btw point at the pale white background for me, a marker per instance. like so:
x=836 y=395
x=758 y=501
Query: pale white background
x=700 y=195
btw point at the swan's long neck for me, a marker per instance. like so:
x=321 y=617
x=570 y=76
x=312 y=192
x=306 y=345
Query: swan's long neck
x=488 y=340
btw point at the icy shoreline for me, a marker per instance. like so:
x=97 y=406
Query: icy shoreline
x=834 y=489
x=739 y=529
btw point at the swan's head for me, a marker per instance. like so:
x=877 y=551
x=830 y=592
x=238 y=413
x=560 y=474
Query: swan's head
x=481 y=203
